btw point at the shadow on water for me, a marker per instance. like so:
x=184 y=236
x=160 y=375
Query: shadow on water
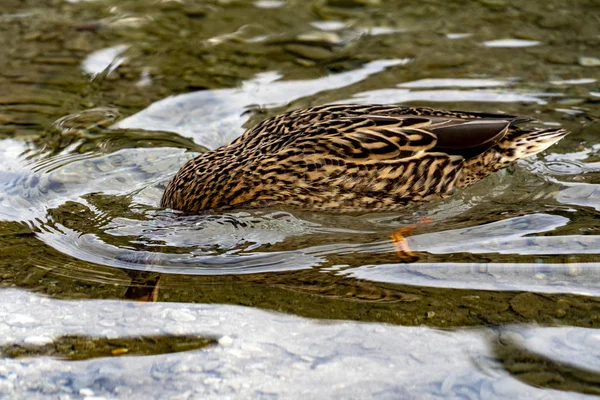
x=511 y=355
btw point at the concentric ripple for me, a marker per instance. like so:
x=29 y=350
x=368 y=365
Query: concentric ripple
x=100 y=206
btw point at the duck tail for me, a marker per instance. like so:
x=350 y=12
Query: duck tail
x=521 y=143
x=517 y=144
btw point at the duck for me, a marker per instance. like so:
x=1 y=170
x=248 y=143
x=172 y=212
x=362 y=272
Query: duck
x=355 y=158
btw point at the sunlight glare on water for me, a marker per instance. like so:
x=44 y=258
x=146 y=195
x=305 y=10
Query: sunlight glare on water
x=103 y=103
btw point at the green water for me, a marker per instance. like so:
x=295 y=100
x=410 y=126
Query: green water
x=90 y=136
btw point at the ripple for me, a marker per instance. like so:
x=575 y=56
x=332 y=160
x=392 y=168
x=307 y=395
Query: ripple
x=511 y=43
x=509 y=236
x=213 y=118
x=231 y=244
x=245 y=243
x=407 y=96
x=89 y=247
x=105 y=60
x=200 y=245
x=454 y=36
x=249 y=33
x=577 y=347
x=25 y=195
x=580 y=81
x=269 y=3
x=566 y=168
x=454 y=82
x=226 y=231
x=329 y=25
x=272 y=345
x=580 y=194
x=576 y=278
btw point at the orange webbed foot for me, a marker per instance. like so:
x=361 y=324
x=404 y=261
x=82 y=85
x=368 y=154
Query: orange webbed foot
x=401 y=245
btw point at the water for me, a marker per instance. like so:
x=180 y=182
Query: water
x=104 y=101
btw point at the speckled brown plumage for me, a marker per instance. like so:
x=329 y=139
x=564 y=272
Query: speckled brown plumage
x=354 y=157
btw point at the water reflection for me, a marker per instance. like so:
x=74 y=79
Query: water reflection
x=105 y=60
x=255 y=242
x=580 y=194
x=79 y=217
x=245 y=243
x=27 y=195
x=451 y=82
x=214 y=118
x=554 y=358
x=511 y=43
x=541 y=277
x=480 y=95
x=249 y=360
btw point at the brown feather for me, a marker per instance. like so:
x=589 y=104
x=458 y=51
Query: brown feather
x=354 y=157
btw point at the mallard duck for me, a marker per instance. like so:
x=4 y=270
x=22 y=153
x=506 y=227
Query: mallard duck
x=354 y=157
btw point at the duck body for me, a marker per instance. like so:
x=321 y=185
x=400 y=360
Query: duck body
x=354 y=157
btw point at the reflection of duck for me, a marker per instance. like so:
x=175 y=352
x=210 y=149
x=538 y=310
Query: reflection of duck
x=144 y=286
x=354 y=158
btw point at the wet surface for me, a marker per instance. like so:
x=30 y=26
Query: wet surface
x=104 y=101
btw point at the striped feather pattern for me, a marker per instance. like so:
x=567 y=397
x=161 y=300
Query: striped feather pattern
x=354 y=158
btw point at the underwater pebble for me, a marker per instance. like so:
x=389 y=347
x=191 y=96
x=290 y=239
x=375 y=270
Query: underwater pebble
x=195 y=12
x=589 y=61
x=329 y=25
x=449 y=60
x=526 y=305
x=269 y=4
x=353 y=3
x=454 y=36
x=79 y=43
x=560 y=58
x=310 y=52
x=512 y=337
x=495 y=4
x=560 y=312
x=572 y=102
x=554 y=21
x=317 y=36
x=562 y=306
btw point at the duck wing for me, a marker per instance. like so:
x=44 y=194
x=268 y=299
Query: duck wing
x=285 y=123
x=369 y=161
x=375 y=137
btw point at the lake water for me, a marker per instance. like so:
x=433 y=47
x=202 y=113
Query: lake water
x=103 y=101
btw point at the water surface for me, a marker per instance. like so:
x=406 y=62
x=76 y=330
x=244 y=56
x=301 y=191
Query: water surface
x=103 y=101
